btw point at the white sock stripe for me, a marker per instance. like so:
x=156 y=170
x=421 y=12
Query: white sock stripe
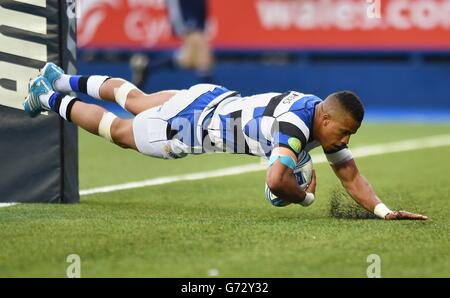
x=63 y=107
x=104 y=127
x=93 y=85
x=122 y=92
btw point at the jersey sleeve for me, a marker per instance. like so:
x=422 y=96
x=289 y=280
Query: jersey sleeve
x=339 y=156
x=291 y=132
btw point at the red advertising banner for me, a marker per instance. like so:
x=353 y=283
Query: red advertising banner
x=273 y=24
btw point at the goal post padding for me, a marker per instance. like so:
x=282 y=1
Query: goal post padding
x=38 y=156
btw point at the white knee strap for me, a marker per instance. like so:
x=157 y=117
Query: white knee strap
x=104 y=128
x=122 y=92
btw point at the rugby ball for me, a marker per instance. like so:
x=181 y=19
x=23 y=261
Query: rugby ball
x=303 y=172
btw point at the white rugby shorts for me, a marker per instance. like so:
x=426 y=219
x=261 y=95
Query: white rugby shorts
x=151 y=128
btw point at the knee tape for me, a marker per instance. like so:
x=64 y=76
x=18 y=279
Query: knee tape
x=122 y=92
x=104 y=128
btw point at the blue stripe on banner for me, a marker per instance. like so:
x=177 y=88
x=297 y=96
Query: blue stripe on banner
x=406 y=115
x=74 y=83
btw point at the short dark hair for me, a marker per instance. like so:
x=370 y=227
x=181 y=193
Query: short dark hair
x=351 y=103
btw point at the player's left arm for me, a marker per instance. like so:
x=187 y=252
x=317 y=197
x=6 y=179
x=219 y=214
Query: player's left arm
x=363 y=193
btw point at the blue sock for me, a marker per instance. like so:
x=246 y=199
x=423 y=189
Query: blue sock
x=89 y=85
x=61 y=104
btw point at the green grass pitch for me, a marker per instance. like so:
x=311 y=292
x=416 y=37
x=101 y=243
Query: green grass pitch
x=185 y=229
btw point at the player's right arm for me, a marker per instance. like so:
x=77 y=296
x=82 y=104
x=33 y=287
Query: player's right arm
x=281 y=180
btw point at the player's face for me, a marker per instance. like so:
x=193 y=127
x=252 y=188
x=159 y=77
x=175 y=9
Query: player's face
x=336 y=131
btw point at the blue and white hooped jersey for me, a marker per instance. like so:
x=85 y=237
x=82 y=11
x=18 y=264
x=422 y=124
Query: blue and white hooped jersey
x=257 y=124
x=221 y=120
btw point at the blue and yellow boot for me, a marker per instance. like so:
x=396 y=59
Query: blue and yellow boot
x=32 y=104
x=52 y=72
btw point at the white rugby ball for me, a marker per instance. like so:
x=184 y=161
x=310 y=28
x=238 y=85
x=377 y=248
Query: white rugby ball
x=303 y=172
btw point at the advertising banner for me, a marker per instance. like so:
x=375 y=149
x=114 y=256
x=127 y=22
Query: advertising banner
x=274 y=24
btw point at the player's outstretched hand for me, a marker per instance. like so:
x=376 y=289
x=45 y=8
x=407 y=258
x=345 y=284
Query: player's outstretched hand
x=399 y=215
x=312 y=186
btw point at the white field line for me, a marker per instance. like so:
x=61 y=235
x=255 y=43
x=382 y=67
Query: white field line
x=370 y=150
x=2 y=205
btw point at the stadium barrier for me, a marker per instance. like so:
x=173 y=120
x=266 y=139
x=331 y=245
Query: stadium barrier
x=38 y=157
x=390 y=80
x=394 y=54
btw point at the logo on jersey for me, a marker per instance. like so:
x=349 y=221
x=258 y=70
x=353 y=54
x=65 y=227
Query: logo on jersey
x=288 y=99
x=295 y=144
